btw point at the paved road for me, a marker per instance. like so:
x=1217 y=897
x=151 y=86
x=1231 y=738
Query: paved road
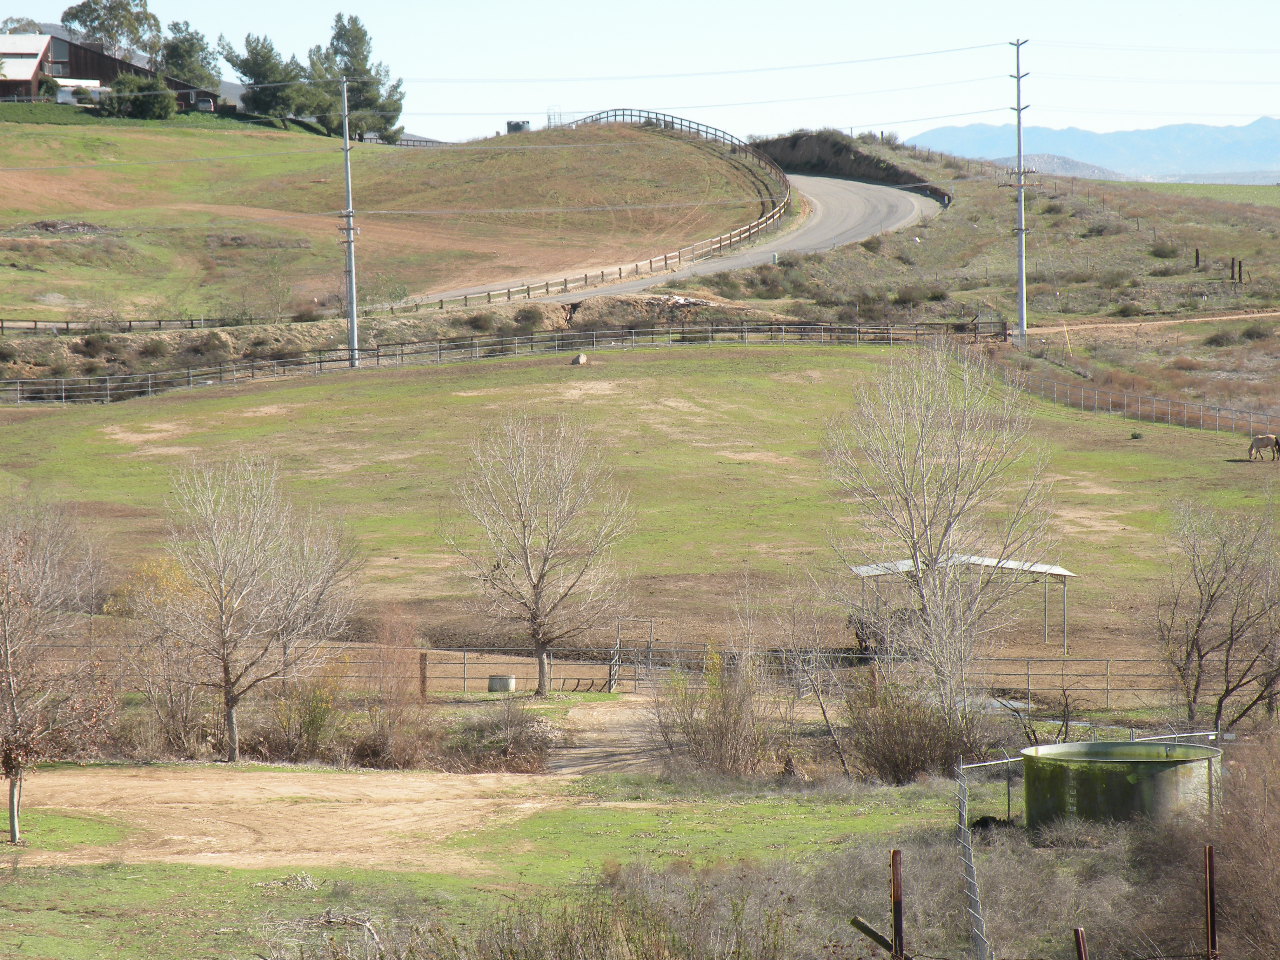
x=842 y=212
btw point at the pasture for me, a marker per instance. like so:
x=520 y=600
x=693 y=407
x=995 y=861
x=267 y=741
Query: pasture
x=720 y=449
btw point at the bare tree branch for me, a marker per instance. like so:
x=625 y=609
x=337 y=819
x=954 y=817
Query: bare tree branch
x=259 y=587
x=937 y=461
x=547 y=516
x=1218 y=621
x=50 y=696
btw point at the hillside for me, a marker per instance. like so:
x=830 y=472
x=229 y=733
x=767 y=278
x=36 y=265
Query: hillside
x=735 y=433
x=1093 y=248
x=218 y=218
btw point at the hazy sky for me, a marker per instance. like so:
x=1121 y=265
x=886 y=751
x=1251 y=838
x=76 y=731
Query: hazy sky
x=469 y=67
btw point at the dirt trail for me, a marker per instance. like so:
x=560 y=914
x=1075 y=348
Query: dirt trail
x=607 y=737
x=1108 y=323
x=233 y=817
x=236 y=817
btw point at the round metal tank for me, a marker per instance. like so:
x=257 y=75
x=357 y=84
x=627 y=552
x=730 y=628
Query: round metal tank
x=1115 y=781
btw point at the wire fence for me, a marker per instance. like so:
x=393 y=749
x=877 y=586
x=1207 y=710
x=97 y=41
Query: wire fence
x=115 y=387
x=1135 y=406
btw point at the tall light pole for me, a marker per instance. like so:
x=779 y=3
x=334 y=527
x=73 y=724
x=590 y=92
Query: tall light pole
x=1018 y=76
x=349 y=214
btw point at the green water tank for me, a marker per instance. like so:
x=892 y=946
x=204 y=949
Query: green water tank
x=1116 y=781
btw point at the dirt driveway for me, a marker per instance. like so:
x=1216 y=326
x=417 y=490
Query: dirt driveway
x=228 y=816
x=236 y=817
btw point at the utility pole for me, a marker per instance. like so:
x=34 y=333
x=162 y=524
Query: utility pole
x=349 y=215
x=1018 y=76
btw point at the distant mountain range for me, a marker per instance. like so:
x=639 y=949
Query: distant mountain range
x=1185 y=150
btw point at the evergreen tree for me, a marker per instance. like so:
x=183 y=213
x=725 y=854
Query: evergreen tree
x=275 y=84
x=374 y=101
x=186 y=55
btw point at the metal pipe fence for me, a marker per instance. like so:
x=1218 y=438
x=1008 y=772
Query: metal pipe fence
x=115 y=387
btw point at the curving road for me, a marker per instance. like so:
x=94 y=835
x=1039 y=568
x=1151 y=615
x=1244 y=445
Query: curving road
x=842 y=212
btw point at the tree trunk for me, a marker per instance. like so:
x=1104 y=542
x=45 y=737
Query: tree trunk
x=233 y=731
x=544 y=671
x=15 y=806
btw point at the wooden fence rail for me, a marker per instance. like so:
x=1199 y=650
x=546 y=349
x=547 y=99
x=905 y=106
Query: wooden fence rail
x=107 y=389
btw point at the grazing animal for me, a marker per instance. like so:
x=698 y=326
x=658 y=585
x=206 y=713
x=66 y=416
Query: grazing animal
x=1260 y=445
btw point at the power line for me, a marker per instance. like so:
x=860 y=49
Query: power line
x=707 y=73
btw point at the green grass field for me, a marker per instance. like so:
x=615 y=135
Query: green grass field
x=720 y=449
x=147 y=911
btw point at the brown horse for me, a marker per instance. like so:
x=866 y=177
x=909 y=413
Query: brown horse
x=1260 y=445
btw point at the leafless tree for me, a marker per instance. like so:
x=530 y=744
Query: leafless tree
x=548 y=515
x=50 y=695
x=936 y=459
x=1218 y=623
x=260 y=587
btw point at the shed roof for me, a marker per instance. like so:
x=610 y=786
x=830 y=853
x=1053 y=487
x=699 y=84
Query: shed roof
x=906 y=566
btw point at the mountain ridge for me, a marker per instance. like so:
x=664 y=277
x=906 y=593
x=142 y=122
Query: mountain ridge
x=1173 y=150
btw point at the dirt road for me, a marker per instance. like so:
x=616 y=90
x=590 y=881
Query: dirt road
x=236 y=817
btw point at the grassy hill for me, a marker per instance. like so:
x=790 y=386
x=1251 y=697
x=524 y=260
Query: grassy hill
x=719 y=447
x=220 y=218
x=1094 y=248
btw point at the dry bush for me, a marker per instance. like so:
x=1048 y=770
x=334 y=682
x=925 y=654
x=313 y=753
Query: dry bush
x=597 y=926
x=507 y=736
x=900 y=736
x=1186 y=363
x=396 y=737
x=1248 y=849
x=729 y=726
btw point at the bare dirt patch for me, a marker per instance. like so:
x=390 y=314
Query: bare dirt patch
x=146 y=433
x=608 y=737
x=233 y=817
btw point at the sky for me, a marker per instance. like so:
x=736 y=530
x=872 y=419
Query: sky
x=755 y=68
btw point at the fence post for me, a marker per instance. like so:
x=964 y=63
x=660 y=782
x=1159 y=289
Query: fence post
x=464 y=671
x=1108 y=705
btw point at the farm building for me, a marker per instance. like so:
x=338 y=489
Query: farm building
x=27 y=57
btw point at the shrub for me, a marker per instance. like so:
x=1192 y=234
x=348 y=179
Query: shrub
x=93 y=345
x=395 y=737
x=1128 y=309
x=528 y=319
x=1052 y=208
x=1186 y=363
x=482 y=322
x=900 y=736
x=153 y=349
x=872 y=244
x=1222 y=338
x=507 y=736
x=909 y=295
x=1114 y=279
x=8 y=353
x=1164 y=249
x=1255 y=331
x=729 y=727
x=1107 y=228
x=141 y=98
